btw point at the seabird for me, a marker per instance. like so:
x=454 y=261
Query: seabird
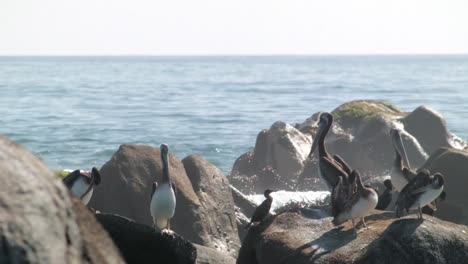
x=419 y=192
x=82 y=183
x=163 y=200
x=401 y=172
x=348 y=204
x=386 y=197
x=262 y=210
x=330 y=167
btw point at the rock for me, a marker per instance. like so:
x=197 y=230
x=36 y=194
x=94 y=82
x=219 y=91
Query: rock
x=40 y=222
x=211 y=256
x=279 y=155
x=453 y=164
x=293 y=237
x=360 y=135
x=127 y=178
x=429 y=127
x=244 y=210
x=141 y=244
x=215 y=222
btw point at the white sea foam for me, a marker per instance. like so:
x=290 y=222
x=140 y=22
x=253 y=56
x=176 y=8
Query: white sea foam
x=281 y=198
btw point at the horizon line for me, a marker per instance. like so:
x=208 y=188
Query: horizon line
x=237 y=55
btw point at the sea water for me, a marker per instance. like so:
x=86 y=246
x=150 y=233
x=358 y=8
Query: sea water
x=74 y=112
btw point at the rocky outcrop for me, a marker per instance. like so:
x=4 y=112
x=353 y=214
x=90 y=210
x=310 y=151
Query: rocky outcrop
x=39 y=220
x=215 y=223
x=204 y=211
x=294 y=237
x=141 y=244
x=453 y=164
x=127 y=178
x=360 y=135
x=280 y=153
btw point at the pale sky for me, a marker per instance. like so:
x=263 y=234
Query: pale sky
x=214 y=27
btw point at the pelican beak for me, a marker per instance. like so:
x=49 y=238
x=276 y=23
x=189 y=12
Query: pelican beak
x=399 y=147
x=320 y=131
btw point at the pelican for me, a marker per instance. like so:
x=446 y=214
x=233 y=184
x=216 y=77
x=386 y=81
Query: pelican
x=262 y=210
x=163 y=200
x=330 y=167
x=82 y=183
x=348 y=204
x=419 y=192
x=401 y=172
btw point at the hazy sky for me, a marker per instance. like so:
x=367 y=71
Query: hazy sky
x=139 y=27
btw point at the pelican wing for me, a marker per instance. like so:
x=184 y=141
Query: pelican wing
x=331 y=171
x=410 y=193
x=343 y=163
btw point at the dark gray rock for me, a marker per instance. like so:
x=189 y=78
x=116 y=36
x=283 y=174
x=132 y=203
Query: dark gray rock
x=40 y=222
x=141 y=244
x=207 y=255
x=293 y=237
x=453 y=164
x=215 y=221
x=126 y=188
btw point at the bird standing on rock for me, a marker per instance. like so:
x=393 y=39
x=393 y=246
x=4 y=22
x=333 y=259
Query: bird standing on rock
x=419 y=192
x=163 y=200
x=330 y=167
x=351 y=202
x=82 y=183
x=262 y=210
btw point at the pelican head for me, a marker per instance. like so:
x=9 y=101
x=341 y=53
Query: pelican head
x=324 y=123
x=164 y=152
x=388 y=184
x=399 y=147
x=437 y=180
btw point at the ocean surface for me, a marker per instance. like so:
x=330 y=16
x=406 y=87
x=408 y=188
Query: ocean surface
x=74 y=112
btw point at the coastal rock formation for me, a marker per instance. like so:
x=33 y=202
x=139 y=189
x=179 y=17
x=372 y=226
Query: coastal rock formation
x=215 y=221
x=360 y=135
x=295 y=237
x=141 y=244
x=207 y=255
x=40 y=222
x=453 y=164
x=205 y=209
x=279 y=151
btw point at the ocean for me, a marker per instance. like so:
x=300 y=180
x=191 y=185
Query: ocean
x=74 y=112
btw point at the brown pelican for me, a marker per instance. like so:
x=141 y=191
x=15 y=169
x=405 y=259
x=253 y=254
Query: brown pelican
x=330 y=168
x=386 y=197
x=262 y=210
x=419 y=192
x=348 y=204
x=82 y=183
x=401 y=172
x=163 y=200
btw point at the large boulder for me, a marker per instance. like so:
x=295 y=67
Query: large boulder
x=141 y=244
x=279 y=155
x=453 y=164
x=295 y=237
x=126 y=187
x=40 y=222
x=204 y=211
x=215 y=223
x=360 y=135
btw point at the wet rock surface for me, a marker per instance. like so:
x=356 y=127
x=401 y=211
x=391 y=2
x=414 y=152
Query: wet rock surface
x=40 y=222
x=294 y=237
